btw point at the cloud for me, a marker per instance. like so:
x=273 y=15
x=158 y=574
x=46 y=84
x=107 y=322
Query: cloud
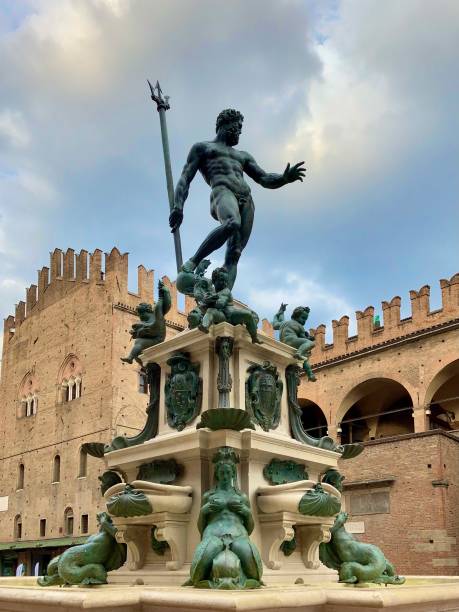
x=13 y=130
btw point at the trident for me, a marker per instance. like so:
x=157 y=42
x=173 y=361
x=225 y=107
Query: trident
x=162 y=105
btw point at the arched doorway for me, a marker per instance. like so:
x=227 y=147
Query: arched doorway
x=376 y=408
x=442 y=398
x=313 y=419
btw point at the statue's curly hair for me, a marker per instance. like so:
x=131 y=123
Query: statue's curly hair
x=298 y=311
x=144 y=306
x=227 y=116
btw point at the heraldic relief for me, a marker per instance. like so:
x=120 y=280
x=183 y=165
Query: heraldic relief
x=263 y=393
x=183 y=391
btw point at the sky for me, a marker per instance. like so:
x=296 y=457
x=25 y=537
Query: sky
x=364 y=91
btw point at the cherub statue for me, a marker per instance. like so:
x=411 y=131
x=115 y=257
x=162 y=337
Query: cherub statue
x=225 y=558
x=152 y=327
x=293 y=333
x=217 y=302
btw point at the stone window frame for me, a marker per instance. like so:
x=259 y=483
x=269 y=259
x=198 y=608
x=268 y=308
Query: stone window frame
x=69 y=521
x=70 y=380
x=28 y=397
x=21 y=477
x=18 y=533
x=56 y=469
x=82 y=463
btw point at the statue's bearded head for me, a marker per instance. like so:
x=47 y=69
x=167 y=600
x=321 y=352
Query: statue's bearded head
x=220 y=278
x=229 y=125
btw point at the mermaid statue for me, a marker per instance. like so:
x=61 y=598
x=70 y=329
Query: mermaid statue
x=225 y=557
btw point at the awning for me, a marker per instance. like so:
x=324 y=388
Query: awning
x=51 y=543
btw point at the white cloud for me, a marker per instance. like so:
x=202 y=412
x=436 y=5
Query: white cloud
x=13 y=129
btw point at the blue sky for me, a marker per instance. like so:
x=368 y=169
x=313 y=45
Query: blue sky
x=365 y=92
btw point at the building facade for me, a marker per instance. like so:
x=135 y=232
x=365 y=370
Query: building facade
x=395 y=387
x=63 y=384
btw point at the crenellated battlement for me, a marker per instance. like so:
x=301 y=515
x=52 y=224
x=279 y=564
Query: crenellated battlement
x=392 y=327
x=69 y=271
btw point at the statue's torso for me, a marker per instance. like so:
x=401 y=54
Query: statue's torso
x=223 y=166
x=291 y=329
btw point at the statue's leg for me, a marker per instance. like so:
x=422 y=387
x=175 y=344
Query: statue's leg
x=245 y=317
x=239 y=241
x=205 y=552
x=228 y=214
x=249 y=557
x=139 y=345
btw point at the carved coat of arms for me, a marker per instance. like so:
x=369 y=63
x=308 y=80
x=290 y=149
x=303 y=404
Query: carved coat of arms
x=183 y=391
x=263 y=393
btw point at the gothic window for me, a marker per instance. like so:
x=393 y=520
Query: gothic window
x=84 y=523
x=28 y=396
x=68 y=521
x=57 y=469
x=83 y=467
x=69 y=380
x=18 y=527
x=21 y=476
x=42 y=527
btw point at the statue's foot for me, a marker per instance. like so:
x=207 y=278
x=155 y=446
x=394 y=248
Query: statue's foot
x=203 y=328
x=126 y=359
x=256 y=340
x=312 y=378
x=298 y=355
x=188 y=266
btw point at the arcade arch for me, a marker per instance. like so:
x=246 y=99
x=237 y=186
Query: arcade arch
x=313 y=419
x=375 y=408
x=442 y=398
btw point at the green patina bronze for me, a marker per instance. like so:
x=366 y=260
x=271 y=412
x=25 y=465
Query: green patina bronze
x=183 y=391
x=109 y=479
x=293 y=333
x=214 y=301
x=288 y=547
x=152 y=327
x=225 y=558
x=163 y=471
x=225 y=418
x=88 y=563
x=129 y=502
x=223 y=167
x=318 y=502
x=263 y=394
x=354 y=560
x=158 y=547
x=150 y=429
x=280 y=472
x=347 y=451
x=334 y=478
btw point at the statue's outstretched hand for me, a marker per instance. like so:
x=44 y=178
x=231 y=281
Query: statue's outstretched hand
x=283 y=307
x=175 y=218
x=294 y=173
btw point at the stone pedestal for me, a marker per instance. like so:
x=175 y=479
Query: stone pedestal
x=194 y=448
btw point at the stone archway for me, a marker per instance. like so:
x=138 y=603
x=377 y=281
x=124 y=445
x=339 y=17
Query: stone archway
x=313 y=418
x=375 y=408
x=442 y=398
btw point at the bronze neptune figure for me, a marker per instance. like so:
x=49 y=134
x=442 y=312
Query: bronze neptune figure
x=222 y=167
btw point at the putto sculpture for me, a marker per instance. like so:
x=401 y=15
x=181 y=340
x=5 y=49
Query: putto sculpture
x=223 y=167
x=152 y=327
x=225 y=558
x=215 y=302
x=293 y=333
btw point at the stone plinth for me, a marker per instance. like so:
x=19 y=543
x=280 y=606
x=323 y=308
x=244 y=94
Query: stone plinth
x=193 y=450
x=417 y=595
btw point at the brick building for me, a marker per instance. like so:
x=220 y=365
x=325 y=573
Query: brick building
x=395 y=387
x=63 y=384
